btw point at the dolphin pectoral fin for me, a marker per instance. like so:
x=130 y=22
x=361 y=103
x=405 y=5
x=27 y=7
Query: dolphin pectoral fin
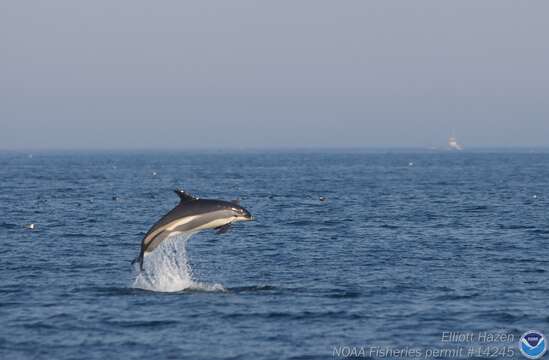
x=223 y=229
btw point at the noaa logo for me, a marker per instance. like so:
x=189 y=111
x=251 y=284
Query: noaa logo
x=532 y=344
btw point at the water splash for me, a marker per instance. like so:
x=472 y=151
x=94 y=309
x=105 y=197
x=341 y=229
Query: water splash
x=167 y=269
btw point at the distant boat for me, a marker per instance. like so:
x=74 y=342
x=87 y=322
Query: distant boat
x=453 y=144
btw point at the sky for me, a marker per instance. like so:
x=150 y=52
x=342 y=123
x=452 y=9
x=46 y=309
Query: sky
x=134 y=74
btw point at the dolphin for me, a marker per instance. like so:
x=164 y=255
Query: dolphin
x=191 y=215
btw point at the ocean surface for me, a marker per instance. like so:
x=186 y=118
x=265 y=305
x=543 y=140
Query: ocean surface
x=406 y=246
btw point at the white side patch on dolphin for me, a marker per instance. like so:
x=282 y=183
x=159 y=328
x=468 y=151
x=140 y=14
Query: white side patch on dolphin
x=171 y=226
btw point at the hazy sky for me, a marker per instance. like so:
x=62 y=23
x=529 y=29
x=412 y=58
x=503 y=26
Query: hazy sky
x=178 y=74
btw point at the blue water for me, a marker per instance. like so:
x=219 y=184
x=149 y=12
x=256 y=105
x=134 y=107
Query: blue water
x=396 y=254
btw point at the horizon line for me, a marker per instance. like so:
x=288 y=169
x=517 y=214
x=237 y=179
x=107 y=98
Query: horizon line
x=278 y=148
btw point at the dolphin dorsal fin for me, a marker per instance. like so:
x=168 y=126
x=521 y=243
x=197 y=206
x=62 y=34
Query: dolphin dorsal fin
x=185 y=196
x=236 y=201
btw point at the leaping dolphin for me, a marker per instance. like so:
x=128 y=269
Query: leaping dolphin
x=192 y=214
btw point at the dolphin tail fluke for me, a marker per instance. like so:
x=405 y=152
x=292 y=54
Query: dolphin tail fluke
x=140 y=260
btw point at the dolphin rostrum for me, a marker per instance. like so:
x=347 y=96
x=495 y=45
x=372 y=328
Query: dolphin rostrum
x=190 y=215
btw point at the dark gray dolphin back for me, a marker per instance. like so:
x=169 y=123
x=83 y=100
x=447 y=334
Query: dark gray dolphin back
x=185 y=198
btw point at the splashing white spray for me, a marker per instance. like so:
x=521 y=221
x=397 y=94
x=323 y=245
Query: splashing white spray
x=167 y=269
